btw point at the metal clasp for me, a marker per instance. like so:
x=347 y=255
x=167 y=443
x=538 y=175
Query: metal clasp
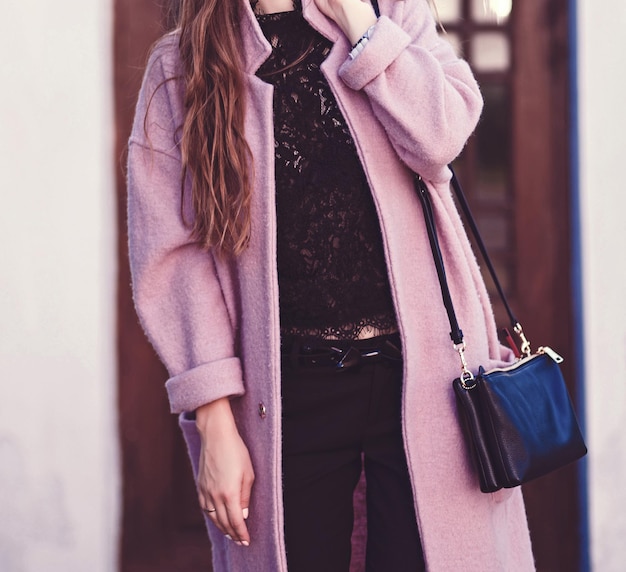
x=466 y=375
x=525 y=347
x=551 y=353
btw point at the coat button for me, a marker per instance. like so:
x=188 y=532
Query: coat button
x=262 y=410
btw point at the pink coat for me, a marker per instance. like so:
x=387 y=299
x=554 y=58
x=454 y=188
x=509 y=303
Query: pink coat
x=410 y=103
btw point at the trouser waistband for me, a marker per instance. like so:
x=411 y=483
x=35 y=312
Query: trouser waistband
x=340 y=355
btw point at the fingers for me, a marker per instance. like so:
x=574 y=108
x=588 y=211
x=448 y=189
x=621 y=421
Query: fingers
x=246 y=490
x=225 y=475
x=229 y=510
x=238 y=525
x=229 y=517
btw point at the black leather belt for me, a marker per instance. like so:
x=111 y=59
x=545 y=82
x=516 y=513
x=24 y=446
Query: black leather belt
x=340 y=355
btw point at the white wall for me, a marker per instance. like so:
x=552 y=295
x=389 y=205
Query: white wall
x=602 y=89
x=59 y=482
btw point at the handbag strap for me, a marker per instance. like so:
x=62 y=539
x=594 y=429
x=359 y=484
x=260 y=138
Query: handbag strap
x=456 y=334
x=460 y=195
x=455 y=331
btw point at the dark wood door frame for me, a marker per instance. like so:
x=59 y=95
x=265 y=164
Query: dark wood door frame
x=162 y=528
x=542 y=202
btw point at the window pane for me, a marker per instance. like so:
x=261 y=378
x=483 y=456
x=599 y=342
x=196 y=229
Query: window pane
x=493 y=146
x=449 y=10
x=490 y=52
x=491 y=11
x=494 y=229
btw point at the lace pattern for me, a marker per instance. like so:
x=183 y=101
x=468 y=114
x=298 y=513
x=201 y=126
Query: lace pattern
x=333 y=279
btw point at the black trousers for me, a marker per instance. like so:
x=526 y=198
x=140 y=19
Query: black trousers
x=334 y=424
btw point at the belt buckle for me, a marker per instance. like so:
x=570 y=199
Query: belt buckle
x=351 y=358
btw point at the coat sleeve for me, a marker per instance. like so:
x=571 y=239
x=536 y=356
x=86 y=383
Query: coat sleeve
x=424 y=95
x=176 y=289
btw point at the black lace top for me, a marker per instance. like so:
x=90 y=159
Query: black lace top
x=331 y=267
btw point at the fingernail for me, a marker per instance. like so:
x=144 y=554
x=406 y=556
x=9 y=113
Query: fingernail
x=228 y=536
x=246 y=512
x=238 y=543
x=245 y=543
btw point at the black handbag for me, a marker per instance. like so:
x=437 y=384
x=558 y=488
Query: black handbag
x=518 y=421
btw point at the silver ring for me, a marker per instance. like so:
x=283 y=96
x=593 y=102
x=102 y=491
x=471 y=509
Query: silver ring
x=209 y=509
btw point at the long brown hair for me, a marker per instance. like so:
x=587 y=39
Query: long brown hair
x=215 y=155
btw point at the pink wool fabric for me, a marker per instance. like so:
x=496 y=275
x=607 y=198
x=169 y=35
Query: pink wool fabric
x=411 y=104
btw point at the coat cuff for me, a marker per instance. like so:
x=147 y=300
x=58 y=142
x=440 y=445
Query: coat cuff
x=205 y=383
x=386 y=44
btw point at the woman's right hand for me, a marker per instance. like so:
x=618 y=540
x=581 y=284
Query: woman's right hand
x=225 y=473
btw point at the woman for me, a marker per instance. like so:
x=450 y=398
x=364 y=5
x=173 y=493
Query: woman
x=282 y=271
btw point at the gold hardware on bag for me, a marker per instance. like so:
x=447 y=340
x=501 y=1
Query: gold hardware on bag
x=525 y=347
x=466 y=374
x=550 y=352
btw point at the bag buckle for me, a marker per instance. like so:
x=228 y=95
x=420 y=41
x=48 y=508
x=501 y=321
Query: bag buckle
x=525 y=347
x=467 y=377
